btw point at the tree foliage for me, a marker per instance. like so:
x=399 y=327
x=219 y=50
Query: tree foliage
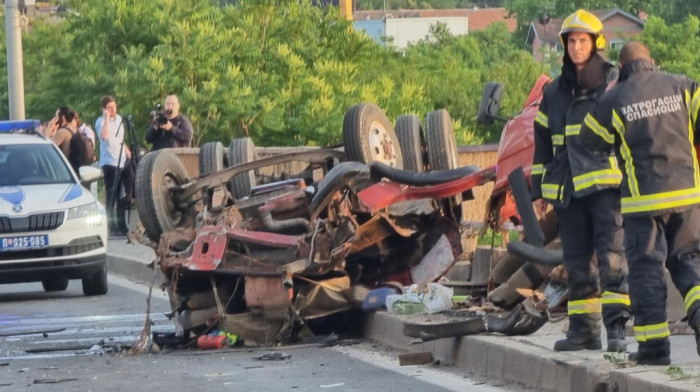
x=280 y=71
x=676 y=47
x=526 y=11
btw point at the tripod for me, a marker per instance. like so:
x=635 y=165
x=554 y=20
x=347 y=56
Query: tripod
x=122 y=192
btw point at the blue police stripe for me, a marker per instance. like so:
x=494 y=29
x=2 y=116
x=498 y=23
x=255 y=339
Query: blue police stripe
x=73 y=192
x=12 y=194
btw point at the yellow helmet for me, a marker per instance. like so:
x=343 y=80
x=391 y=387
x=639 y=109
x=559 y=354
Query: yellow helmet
x=586 y=22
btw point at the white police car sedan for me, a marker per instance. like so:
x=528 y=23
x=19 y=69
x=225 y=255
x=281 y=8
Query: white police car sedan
x=51 y=228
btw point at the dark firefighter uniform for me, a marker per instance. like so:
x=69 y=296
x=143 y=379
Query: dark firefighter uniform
x=584 y=189
x=650 y=118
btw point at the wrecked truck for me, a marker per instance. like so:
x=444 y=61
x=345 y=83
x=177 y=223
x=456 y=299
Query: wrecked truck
x=514 y=304
x=264 y=259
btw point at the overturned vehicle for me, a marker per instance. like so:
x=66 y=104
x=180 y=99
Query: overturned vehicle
x=263 y=257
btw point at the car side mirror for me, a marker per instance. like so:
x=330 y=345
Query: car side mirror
x=89 y=174
x=490 y=103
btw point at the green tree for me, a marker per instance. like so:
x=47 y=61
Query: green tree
x=676 y=47
x=283 y=72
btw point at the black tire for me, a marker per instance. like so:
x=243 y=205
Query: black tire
x=156 y=174
x=441 y=146
x=97 y=283
x=440 y=141
x=368 y=136
x=410 y=135
x=241 y=150
x=55 y=284
x=339 y=176
x=212 y=158
x=523 y=203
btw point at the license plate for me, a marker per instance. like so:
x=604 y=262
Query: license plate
x=24 y=242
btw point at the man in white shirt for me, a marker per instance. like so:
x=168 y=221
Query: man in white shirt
x=113 y=156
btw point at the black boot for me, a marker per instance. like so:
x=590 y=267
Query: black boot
x=654 y=352
x=616 y=335
x=583 y=334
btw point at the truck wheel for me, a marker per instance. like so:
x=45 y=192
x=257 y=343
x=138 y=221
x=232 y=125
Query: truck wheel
x=56 y=284
x=241 y=150
x=369 y=136
x=441 y=145
x=96 y=284
x=156 y=174
x=410 y=135
x=440 y=141
x=212 y=158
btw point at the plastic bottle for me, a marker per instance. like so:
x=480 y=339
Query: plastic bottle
x=211 y=342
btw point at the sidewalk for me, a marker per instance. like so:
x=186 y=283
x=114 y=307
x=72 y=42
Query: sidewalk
x=526 y=360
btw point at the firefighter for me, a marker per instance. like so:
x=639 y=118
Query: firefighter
x=652 y=120
x=584 y=189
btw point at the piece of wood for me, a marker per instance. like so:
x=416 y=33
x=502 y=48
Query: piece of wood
x=420 y=358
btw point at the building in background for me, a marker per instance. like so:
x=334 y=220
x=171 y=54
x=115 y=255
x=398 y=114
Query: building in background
x=618 y=28
x=403 y=27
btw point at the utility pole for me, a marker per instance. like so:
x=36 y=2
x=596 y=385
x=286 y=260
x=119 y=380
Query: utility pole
x=15 y=70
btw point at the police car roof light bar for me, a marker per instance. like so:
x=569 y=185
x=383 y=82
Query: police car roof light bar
x=10 y=126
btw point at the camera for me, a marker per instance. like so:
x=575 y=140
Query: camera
x=160 y=116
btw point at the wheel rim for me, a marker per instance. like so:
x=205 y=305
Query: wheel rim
x=381 y=144
x=168 y=182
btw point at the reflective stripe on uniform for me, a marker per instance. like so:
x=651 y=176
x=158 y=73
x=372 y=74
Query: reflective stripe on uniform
x=661 y=201
x=626 y=156
x=599 y=177
x=557 y=140
x=542 y=119
x=599 y=130
x=611 y=298
x=645 y=333
x=695 y=106
x=537 y=169
x=692 y=296
x=584 y=306
x=573 y=129
x=552 y=191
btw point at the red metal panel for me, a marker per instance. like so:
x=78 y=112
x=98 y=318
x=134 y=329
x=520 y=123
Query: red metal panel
x=208 y=250
x=266 y=291
x=517 y=144
x=265 y=238
x=383 y=194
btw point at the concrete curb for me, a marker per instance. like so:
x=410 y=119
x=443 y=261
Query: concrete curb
x=134 y=270
x=523 y=360
x=519 y=360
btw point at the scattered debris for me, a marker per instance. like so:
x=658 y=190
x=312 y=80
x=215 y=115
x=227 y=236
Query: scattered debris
x=340 y=384
x=19 y=332
x=420 y=358
x=273 y=356
x=52 y=380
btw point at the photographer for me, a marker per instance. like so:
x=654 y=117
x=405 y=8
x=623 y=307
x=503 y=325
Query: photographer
x=170 y=128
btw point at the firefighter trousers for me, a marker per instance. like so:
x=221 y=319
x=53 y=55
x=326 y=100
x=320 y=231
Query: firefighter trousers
x=588 y=226
x=652 y=243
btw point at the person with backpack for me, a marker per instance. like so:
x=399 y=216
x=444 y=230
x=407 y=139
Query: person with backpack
x=88 y=132
x=74 y=145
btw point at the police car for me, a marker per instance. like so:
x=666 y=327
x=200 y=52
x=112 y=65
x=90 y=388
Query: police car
x=52 y=229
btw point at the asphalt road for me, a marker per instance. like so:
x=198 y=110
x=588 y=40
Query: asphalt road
x=66 y=341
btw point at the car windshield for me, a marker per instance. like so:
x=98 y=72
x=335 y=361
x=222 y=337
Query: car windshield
x=32 y=164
